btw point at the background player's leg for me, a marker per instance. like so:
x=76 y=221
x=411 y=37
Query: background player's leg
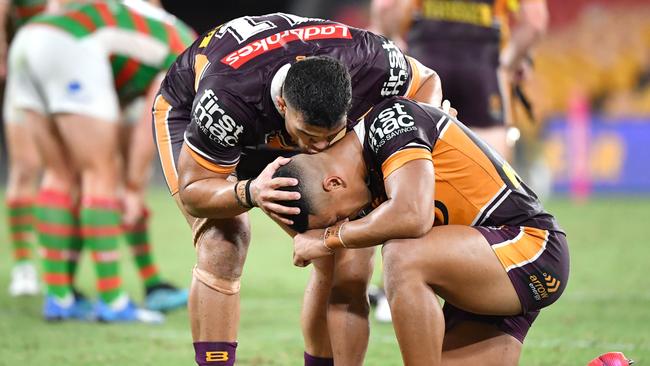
x=159 y=295
x=56 y=221
x=24 y=174
x=457 y=263
x=474 y=343
x=349 y=308
x=93 y=147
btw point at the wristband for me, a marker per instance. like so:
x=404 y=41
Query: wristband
x=332 y=237
x=249 y=197
x=240 y=194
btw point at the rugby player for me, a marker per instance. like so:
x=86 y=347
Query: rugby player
x=250 y=90
x=469 y=44
x=455 y=220
x=69 y=74
x=24 y=165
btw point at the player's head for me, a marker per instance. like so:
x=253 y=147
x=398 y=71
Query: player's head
x=329 y=190
x=316 y=97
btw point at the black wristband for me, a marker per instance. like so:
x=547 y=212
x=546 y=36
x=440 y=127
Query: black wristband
x=249 y=198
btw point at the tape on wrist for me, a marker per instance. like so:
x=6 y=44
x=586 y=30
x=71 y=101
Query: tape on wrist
x=332 y=237
x=240 y=193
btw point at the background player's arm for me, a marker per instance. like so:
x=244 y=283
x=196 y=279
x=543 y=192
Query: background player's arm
x=392 y=18
x=138 y=162
x=408 y=212
x=532 y=22
x=209 y=194
x=4 y=15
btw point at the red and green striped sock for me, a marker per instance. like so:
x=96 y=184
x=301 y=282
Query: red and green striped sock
x=19 y=212
x=137 y=236
x=55 y=225
x=100 y=230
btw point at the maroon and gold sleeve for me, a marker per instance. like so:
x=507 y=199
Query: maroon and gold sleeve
x=398 y=131
x=217 y=129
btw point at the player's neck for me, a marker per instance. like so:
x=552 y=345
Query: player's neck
x=347 y=157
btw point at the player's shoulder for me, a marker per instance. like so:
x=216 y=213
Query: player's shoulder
x=401 y=108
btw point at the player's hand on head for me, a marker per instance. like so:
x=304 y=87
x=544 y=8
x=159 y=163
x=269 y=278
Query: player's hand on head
x=309 y=246
x=447 y=108
x=265 y=192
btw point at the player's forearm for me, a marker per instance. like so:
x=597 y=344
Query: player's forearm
x=211 y=198
x=391 y=220
x=529 y=30
x=389 y=16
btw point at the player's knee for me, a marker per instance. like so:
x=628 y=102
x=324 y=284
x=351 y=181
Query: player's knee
x=222 y=246
x=24 y=173
x=400 y=266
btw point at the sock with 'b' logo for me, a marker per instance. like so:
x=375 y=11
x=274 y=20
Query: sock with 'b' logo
x=215 y=353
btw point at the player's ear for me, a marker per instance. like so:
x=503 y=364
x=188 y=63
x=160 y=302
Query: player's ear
x=333 y=183
x=281 y=103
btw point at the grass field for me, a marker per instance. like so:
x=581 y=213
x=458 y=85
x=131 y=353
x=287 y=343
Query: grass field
x=606 y=306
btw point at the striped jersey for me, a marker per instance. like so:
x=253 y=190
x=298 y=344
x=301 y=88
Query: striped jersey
x=23 y=10
x=474 y=185
x=141 y=39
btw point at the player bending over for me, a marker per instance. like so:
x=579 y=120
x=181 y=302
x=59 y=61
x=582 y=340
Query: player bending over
x=455 y=220
x=247 y=92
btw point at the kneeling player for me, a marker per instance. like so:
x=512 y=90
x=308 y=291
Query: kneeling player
x=456 y=221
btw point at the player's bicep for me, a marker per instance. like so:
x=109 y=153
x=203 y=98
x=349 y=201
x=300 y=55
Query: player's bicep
x=410 y=190
x=214 y=135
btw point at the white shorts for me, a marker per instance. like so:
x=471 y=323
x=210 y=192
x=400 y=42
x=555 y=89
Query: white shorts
x=51 y=71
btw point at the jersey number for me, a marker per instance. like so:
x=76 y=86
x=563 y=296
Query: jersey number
x=246 y=27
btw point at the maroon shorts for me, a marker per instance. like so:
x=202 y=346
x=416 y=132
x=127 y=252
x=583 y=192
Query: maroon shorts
x=537 y=262
x=469 y=78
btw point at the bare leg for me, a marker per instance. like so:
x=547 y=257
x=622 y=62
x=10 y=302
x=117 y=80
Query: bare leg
x=472 y=343
x=314 y=309
x=457 y=263
x=349 y=308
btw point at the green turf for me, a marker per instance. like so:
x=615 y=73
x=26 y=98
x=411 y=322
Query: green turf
x=605 y=308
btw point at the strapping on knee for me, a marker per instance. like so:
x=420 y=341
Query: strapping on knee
x=223 y=285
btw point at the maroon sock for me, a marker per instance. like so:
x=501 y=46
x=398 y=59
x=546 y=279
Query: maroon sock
x=215 y=353
x=317 y=361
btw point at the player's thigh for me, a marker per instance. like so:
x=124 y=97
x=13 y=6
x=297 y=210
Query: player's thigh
x=91 y=142
x=459 y=264
x=49 y=144
x=21 y=146
x=475 y=343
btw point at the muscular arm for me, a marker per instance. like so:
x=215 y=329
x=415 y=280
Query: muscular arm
x=408 y=212
x=429 y=89
x=531 y=26
x=141 y=149
x=205 y=193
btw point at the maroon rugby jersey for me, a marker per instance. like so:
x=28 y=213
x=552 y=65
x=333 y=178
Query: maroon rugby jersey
x=474 y=186
x=222 y=90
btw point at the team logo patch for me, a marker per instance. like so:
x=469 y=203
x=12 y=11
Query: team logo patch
x=398 y=73
x=213 y=120
x=543 y=285
x=309 y=33
x=389 y=123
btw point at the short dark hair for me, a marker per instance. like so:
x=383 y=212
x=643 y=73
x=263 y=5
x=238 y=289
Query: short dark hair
x=301 y=220
x=319 y=87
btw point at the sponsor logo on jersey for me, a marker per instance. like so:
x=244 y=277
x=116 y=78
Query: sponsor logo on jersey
x=309 y=33
x=213 y=120
x=389 y=123
x=398 y=73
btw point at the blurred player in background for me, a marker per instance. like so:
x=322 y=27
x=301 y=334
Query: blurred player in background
x=473 y=50
x=248 y=92
x=69 y=74
x=24 y=164
x=454 y=220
